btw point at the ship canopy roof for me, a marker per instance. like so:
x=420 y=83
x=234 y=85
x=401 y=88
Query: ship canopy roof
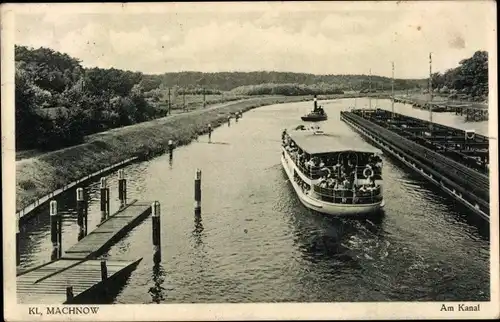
x=319 y=143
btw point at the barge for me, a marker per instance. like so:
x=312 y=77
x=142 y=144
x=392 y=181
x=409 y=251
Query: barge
x=455 y=160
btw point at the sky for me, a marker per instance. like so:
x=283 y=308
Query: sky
x=309 y=37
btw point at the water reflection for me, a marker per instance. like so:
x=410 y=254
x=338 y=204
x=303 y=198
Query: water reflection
x=339 y=240
x=103 y=216
x=198 y=228
x=288 y=253
x=157 y=291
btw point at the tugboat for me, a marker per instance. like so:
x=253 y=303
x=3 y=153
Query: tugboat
x=316 y=115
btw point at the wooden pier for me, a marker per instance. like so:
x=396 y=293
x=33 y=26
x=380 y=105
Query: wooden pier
x=109 y=231
x=67 y=281
x=78 y=277
x=457 y=161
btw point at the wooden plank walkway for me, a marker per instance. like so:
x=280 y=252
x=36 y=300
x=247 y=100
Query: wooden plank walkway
x=46 y=284
x=78 y=268
x=109 y=231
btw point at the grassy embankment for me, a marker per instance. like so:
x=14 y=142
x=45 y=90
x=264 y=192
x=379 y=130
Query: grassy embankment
x=46 y=172
x=39 y=175
x=191 y=102
x=194 y=102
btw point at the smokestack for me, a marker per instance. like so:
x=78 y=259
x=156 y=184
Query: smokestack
x=315 y=103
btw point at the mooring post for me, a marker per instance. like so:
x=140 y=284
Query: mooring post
x=18 y=235
x=104 y=197
x=155 y=214
x=69 y=294
x=122 y=187
x=59 y=234
x=204 y=98
x=86 y=210
x=104 y=270
x=229 y=120
x=197 y=191
x=209 y=132
x=80 y=211
x=170 y=146
x=169 y=104
x=107 y=202
x=54 y=224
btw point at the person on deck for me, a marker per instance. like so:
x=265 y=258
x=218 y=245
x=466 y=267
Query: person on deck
x=309 y=164
x=321 y=163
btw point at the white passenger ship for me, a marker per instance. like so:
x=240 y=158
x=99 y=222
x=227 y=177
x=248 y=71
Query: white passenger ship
x=330 y=177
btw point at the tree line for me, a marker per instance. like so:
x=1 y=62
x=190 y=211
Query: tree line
x=227 y=81
x=286 y=89
x=58 y=101
x=467 y=81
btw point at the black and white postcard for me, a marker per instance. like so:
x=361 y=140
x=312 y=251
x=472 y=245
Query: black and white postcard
x=250 y=160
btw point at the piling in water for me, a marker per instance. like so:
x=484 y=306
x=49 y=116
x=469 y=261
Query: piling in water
x=69 y=294
x=107 y=202
x=104 y=198
x=170 y=146
x=197 y=190
x=18 y=234
x=86 y=211
x=80 y=211
x=54 y=224
x=104 y=271
x=122 y=187
x=155 y=211
x=59 y=234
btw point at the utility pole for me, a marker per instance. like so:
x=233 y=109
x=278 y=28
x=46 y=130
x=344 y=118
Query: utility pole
x=430 y=92
x=370 y=90
x=392 y=90
x=169 y=102
x=204 y=102
x=184 y=99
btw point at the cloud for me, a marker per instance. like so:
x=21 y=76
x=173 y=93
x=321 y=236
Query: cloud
x=457 y=42
x=55 y=18
x=91 y=44
x=132 y=42
x=334 y=39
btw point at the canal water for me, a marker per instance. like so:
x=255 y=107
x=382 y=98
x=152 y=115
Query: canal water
x=255 y=242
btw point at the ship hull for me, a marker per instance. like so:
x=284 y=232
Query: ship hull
x=332 y=209
x=308 y=118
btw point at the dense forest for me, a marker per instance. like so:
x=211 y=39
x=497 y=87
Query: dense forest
x=58 y=101
x=226 y=81
x=286 y=89
x=467 y=81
